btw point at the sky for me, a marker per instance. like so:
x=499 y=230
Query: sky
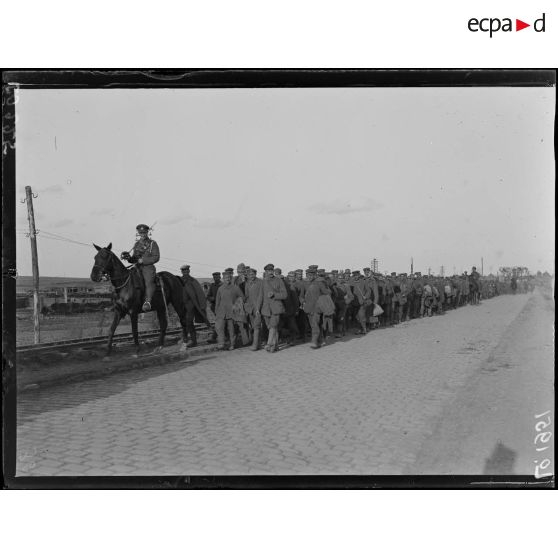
x=294 y=177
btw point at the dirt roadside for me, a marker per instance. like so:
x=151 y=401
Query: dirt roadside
x=494 y=414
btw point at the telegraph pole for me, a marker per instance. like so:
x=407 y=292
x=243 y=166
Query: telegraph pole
x=482 y=267
x=411 y=266
x=34 y=261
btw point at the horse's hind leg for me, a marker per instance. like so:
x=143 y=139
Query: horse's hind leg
x=162 y=317
x=134 y=320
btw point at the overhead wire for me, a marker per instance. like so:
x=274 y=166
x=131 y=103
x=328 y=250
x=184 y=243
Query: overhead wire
x=59 y=238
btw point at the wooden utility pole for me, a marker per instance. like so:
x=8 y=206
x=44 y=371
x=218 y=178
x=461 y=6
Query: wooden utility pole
x=34 y=262
x=482 y=267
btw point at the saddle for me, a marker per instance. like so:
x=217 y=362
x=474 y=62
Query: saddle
x=138 y=281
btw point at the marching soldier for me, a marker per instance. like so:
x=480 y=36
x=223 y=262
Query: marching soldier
x=253 y=305
x=274 y=293
x=240 y=319
x=362 y=300
x=241 y=276
x=314 y=290
x=342 y=297
x=227 y=295
x=417 y=291
x=302 y=319
x=396 y=306
x=325 y=305
x=388 y=301
x=145 y=254
x=292 y=306
x=382 y=299
x=213 y=288
x=195 y=304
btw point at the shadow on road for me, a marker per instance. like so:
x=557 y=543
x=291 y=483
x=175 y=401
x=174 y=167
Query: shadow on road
x=53 y=398
x=501 y=461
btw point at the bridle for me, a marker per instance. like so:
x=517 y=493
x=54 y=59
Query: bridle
x=106 y=274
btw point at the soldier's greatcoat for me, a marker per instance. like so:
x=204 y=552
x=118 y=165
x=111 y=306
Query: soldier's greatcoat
x=194 y=294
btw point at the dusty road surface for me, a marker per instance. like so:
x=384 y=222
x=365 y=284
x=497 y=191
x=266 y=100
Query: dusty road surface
x=452 y=394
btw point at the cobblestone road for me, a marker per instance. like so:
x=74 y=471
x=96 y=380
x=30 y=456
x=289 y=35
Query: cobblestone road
x=366 y=405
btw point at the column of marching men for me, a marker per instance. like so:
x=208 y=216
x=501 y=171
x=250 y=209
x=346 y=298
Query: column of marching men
x=316 y=305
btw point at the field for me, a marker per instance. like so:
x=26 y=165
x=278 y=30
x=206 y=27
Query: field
x=78 y=326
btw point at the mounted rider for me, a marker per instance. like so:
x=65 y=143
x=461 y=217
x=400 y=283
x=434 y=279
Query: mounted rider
x=145 y=254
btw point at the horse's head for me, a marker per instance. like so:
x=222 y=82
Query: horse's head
x=104 y=263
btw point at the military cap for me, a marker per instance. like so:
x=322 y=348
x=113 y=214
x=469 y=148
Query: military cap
x=216 y=274
x=347 y=271
x=366 y=269
x=142 y=228
x=403 y=275
x=240 y=266
x=185 y=266
x=298 y=270
x=278 y=270
x=321 y=270
x=333 y=271
x=269 y=267
x=229 y=270
x=417 y=273
x=356 y=272
x=291 y=274
x=393 y=274
x=310 y=270
x=312 y=267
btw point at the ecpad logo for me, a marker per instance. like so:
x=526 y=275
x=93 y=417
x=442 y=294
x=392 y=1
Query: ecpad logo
x=492 y=25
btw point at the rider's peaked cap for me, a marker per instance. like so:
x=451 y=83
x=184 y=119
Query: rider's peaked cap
x=185 y=266
x=269 y=267
x=142 y=228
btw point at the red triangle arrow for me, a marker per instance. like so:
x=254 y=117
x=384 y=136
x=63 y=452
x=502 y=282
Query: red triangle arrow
x=519 y=25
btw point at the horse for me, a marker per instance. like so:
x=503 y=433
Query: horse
x=129 y=289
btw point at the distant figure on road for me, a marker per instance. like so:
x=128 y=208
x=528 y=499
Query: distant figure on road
x=514 y=284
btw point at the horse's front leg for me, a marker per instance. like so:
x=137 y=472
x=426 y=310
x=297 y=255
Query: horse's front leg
x=162 y=317
x=114 y=325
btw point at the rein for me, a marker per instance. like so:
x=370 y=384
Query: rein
x=104 y=272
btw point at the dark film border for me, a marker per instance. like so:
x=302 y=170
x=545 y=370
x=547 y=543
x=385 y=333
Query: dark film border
x=215 y=78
